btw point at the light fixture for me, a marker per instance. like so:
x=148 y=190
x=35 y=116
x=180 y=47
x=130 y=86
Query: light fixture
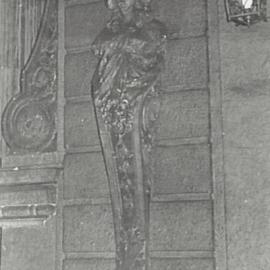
x=246 y=12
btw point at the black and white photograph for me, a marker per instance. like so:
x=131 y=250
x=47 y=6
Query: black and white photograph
x=134 y=134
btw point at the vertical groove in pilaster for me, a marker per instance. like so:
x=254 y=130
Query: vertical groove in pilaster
x=60 y=135
x=32 y=10
x=9 y=29
x=219 y=189
x=7 y=41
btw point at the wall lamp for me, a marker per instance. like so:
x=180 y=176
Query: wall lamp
x=246 y=12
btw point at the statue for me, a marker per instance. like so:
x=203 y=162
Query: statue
x=130 y=50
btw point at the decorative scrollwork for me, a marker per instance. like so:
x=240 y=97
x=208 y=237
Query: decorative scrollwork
x=131 y=57
x=28 y=121
x=31 y=126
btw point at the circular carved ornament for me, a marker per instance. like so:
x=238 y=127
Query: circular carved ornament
x=28 y=124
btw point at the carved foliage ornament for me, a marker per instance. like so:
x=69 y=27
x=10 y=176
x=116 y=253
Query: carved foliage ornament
x=28 y=121
x=124 y=89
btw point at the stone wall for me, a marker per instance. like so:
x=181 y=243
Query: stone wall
x=245 y=75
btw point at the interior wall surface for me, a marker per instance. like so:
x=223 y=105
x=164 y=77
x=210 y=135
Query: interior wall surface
x=245 y=77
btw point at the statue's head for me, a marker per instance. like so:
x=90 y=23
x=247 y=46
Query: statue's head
x=113 y=4
x=126 y=7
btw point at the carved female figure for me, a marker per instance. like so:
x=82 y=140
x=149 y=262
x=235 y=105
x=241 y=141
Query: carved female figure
x=131 y=55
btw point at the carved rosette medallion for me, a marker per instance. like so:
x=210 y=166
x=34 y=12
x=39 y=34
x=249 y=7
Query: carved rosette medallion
x=124 y=89
x=32 y=126
x=28 y=121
